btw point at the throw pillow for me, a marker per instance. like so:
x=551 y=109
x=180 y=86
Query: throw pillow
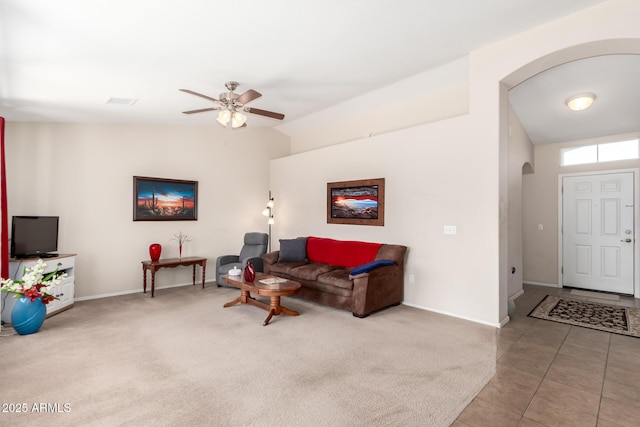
x=293 y=250
x=365 y=268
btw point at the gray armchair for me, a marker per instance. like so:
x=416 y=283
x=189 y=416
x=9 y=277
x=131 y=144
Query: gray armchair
x=255 y=245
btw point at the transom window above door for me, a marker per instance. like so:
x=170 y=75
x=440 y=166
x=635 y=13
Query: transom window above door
x=598 y=153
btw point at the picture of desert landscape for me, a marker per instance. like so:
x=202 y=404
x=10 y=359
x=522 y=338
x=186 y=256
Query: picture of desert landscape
x=164 y=199
x=355 y=202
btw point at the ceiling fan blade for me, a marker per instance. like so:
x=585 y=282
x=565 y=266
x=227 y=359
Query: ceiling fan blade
x=200 y=95
x=264 y=113
x=202 y=110
x=248 y=96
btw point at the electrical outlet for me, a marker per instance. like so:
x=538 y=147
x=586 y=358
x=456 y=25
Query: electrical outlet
x=412 y=278
x=450 y=229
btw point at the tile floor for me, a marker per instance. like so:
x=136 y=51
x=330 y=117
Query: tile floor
x=551 y=374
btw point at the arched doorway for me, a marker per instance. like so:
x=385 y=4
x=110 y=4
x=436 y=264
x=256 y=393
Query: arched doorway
x=577 y=52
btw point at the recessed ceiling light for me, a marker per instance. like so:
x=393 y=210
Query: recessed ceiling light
x=121 y=101
x=580 y=102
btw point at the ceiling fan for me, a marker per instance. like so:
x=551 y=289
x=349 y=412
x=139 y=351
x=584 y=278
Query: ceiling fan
x=231 y=105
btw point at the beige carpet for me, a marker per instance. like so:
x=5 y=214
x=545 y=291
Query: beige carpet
x=182 y=359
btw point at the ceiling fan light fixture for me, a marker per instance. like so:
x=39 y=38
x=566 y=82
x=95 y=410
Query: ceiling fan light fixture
x=223 y=117
x=238 y=120
x=231 y=105
x=580 y=102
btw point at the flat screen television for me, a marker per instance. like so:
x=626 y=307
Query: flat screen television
x=34 y=236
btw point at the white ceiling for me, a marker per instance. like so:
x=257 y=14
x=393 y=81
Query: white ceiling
x=540 y=104
x=61 y=60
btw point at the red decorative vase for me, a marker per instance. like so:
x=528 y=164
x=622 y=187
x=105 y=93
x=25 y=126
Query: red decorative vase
x=155 y=249
x=249 y=272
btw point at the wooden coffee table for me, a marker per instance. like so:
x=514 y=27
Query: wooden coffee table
x=271 y=290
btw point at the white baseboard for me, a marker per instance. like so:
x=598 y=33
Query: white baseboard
x=115 y=294
x=495 y=325
x=548 y=285
x=504 y=321
x=517 y=294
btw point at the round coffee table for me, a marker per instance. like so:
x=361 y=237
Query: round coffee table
x=264 y=285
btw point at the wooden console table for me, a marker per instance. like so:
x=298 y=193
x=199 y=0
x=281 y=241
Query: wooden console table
x=171 y=263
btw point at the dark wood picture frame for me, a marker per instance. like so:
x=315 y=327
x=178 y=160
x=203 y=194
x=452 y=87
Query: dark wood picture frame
x=161 y=199
x=356 y=202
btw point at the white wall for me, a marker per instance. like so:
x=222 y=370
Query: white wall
x=451 y=172
x=84 y=174
x=541 y=205
x=610 y=27
x=433 y=95
x=520 y=152
x=471 y=193
x=426 y=169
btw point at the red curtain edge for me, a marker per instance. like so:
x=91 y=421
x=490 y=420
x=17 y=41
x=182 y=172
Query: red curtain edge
x=4 y=238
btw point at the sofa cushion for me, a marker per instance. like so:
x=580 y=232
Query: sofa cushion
x=293 y=250
x=367 y=267
x=338 y=278
x=319 y=288
x=284 y=267
x=310 y=271
x=344 y=253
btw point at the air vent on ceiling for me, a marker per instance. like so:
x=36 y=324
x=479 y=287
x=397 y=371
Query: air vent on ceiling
x=121 y=101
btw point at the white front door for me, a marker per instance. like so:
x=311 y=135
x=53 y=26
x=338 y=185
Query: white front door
x=598 y=232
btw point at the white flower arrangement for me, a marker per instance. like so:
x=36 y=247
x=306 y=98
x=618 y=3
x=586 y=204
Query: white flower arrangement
x=34 y=283
x=181 y=239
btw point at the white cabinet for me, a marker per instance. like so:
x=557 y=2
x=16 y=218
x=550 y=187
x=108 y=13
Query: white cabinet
x=65 y=263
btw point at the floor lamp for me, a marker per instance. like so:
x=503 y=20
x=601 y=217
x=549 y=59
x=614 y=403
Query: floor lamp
x=268 y=212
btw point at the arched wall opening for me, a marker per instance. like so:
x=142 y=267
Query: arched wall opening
x=521 y=74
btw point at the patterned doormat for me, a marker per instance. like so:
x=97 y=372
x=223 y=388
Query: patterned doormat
x=603 y=317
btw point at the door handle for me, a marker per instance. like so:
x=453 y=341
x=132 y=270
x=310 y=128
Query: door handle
x=626 y=240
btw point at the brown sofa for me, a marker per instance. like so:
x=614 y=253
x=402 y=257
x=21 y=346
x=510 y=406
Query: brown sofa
x=360 y=277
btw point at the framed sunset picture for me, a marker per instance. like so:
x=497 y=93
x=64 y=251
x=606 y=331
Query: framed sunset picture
x=356 y=202
x=160 y=199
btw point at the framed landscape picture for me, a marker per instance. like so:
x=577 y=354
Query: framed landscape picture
x=356 y=202
x=160 y=199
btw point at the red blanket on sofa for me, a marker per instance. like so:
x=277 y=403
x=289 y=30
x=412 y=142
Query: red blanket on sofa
x=345 y=253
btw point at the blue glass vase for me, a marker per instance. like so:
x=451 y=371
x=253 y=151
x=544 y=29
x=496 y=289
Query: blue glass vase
x=28 y=316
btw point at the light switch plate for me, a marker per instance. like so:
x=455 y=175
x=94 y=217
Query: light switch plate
x=450 y=229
